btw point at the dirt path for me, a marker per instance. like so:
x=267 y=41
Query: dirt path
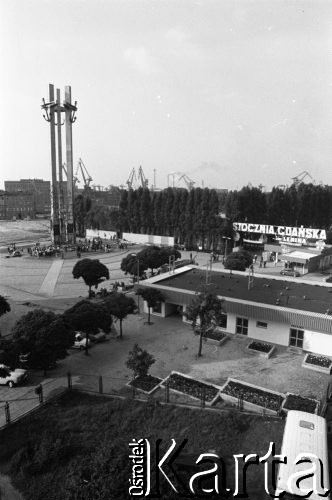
x=7 y=490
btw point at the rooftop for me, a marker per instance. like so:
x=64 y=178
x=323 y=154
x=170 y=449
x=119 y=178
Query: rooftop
x=290 y=293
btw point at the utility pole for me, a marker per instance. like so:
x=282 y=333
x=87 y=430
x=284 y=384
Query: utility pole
x=208 y=271
x=251 y=277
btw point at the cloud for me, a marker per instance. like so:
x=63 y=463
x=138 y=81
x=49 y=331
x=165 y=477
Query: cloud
x=176 y=36
x=140 y=59
x=180 y=45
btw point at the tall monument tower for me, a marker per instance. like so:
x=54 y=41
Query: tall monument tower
x=70 y=119
x=62 y=212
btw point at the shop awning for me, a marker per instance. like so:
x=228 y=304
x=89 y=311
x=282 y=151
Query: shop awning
x=253 y=242
x=299 y=257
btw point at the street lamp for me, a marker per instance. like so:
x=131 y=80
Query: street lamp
x=208 y=268
x=137 y=258
x=225 y=238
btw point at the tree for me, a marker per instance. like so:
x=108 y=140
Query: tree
x=82 y=205
x=140 y=361
x=44 y=335
x=238 y=261
x=132 y=263
x=4 y=307
x=154 y=257
x=167 y=252
x=92 y=271
x=151 y=257
x=120 y=305
x=152 y=296
x=10 y=352
x=204 y=311
x=88 y=317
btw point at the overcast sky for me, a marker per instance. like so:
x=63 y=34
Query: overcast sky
x=228 y=92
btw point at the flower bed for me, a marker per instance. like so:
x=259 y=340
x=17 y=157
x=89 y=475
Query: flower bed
x=254 y=398
x=216 y=337
x=262 y=348
x=318 y=363
x=294 y=402
x=184 y=384
x=147 y=384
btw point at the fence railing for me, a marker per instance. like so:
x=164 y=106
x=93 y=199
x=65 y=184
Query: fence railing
x=163 y=393
x=12 y=409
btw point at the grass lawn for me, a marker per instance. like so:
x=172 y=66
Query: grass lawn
x=79 y=445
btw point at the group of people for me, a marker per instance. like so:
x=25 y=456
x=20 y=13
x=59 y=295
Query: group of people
x=43 y=251
x=87 y=245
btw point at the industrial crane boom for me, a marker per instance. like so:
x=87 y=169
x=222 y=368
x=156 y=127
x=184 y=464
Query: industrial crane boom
x=299 y=178
x=87 y=179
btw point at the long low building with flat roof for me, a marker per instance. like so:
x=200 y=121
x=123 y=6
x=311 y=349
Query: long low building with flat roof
x=278 y=310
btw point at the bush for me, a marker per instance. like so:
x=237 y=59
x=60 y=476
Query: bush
x=140 y=361
x=238 y=261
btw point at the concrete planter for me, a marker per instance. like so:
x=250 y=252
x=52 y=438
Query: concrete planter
x=248 y=405
x=215 y=341
x=301 y=406
x=262 y=354
x=129 y=384
x=316 y=368
x=207 y=402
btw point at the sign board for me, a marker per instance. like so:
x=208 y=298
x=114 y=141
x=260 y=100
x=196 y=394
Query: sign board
x=286 y=234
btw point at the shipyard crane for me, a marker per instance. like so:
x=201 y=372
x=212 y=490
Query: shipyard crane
x=180 y=176
x=300 y=178
x=142 y=178
x=87 y=179
x=131 y=178
x=137 y=179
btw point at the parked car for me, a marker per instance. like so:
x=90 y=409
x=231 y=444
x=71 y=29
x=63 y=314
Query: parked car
x=290 y=272
x=12 y=377
x=97 y=337
x=80 y=341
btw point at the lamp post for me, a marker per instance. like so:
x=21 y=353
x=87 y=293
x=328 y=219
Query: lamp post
x=137 y=258
x=208 y=268
x=225 y=238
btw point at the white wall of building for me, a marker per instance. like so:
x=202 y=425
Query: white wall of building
x=99 y=233
x=276 y=333
x=320 y=343
x=149 y=238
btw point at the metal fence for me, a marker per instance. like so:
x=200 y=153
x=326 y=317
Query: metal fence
x=12 y=409
x=163 y=394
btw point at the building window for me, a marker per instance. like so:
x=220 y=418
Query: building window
x=157 y=307
x=261 y=324
x=296 y=338
x=242 y=326
x=222 y=323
